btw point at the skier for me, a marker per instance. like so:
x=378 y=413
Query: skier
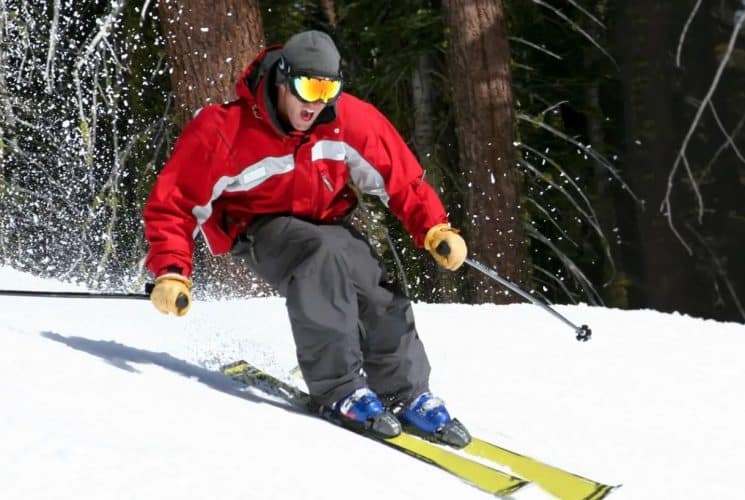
x=267 y=179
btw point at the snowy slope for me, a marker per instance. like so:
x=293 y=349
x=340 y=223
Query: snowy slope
x=109 y=399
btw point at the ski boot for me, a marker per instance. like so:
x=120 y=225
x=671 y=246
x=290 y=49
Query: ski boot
x=364 y=411
x=426 y=416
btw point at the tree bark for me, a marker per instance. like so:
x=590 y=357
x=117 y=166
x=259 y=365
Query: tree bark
x=209 y=43
x=421 y=92
x=329 y=10
x=444 y=282
x=479 y=61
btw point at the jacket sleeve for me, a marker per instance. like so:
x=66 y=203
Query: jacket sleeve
x=407 y=193
x=184 y=182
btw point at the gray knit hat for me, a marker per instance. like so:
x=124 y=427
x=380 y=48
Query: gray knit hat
x=312 y=53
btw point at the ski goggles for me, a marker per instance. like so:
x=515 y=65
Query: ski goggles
x=314 y=89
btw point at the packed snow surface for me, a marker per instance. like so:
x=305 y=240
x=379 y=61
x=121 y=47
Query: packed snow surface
x=108 y=399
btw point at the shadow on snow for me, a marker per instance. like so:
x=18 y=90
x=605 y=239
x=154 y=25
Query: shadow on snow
x=123 y=357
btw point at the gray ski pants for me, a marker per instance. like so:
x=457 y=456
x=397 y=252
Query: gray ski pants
x=350 y=330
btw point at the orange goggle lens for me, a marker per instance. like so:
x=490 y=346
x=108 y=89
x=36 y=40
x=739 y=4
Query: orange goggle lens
x=311 y=89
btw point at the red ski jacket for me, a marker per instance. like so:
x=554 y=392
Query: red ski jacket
x=235 y=161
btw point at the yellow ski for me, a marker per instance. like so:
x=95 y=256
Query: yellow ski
x=560 y=483
x=479 y=475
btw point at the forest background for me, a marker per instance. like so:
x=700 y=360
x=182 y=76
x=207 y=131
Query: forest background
x=591 y=151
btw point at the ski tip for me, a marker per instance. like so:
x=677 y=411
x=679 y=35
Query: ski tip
x=603 y=491
x=234 y=368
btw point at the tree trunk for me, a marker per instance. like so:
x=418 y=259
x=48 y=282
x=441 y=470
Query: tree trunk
x=330 y=11
x=208 y=43
x=421 y=92
x=479 y=61
x=600 y=189
x=444 y=282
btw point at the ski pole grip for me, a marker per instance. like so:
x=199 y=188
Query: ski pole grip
x=182 y=301
x=443 y=249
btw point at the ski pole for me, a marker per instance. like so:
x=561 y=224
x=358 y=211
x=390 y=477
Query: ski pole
x=583 y=332
x=181 y=302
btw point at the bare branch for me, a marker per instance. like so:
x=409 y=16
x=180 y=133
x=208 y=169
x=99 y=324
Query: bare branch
x=553 y=222
x=143 y=14
x=556 y=280
x=537 y=47
x=666 y=207
x=599 y=158
x=114 y=56
x=552 y=107
x=9 y=118
x=26 y=40
x=685 y=30
x=728 y=138
x=590 y=292
x=103 y=31
x=590 y=217
x=696 y=190
x=724 y=145
x=564 y=175
x=53 y=38
x=578 y=28
x=720 y=270
x=587 y=13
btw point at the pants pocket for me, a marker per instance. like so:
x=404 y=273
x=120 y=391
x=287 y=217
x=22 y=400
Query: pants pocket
x=261 y=247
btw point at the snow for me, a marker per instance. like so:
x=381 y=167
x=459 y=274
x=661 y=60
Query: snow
x=108 y=399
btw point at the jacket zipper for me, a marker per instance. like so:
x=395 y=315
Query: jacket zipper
x=327 y=182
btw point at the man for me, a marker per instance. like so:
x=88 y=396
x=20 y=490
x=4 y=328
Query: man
x=267 y=178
